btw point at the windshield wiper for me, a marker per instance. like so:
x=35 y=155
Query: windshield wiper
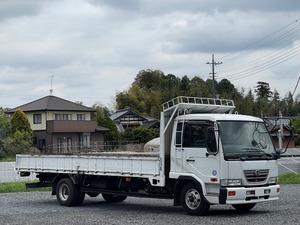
x=256 y=150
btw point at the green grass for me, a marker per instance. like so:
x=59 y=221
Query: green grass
x=19 y=187
x=289 y=178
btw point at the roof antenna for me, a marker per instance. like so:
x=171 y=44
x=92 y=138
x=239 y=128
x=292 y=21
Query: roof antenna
x=51 y=77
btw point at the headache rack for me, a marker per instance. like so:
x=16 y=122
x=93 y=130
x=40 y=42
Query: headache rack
x=198 y=105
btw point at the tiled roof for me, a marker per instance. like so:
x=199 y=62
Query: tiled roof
x=151 y=124
x=124 y=112
x=52 y=103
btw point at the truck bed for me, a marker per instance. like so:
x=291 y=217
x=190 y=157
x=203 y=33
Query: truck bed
x=106 y=163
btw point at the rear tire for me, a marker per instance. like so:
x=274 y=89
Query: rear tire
x=114 y=198
x=244 y=207
x=68 y=194
x=193 y=201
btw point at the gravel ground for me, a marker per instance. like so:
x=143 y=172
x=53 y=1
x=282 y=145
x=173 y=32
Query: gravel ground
x=42 y=208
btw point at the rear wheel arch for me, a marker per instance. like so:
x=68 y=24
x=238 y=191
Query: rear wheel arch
x=59 y=177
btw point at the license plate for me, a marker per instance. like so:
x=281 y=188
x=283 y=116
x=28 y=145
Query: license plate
x=259 y=192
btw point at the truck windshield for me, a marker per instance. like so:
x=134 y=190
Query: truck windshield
x=244 y=140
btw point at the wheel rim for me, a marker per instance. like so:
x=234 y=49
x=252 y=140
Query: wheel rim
x=192 y=199
x=64 y=192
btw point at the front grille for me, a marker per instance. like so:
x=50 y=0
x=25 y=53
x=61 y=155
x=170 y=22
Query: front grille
x=253 y=176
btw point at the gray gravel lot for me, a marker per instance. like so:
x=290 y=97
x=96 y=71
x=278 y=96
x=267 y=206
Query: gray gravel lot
x=42 y=208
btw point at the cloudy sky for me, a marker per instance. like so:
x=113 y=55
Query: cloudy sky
x=92 y=49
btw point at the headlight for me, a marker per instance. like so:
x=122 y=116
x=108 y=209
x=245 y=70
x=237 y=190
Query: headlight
x=273 y=180
x=231 y=182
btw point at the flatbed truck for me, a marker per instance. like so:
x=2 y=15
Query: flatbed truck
x=207 y=155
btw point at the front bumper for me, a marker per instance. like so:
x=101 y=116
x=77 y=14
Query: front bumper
x=244 y=195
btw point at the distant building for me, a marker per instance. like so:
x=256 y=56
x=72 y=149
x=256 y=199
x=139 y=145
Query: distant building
x=61 y=125
x=273 y=127
x=126 y=119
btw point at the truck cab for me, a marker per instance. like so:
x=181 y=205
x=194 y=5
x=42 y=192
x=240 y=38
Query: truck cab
x=230 y=157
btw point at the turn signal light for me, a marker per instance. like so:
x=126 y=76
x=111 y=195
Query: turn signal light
x=231 y=193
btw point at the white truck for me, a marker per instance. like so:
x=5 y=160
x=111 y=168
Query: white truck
x=207 y=155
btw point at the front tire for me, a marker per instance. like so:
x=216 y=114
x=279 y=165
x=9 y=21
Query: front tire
x=193 y=201
x=114 y=198
x=68 y=194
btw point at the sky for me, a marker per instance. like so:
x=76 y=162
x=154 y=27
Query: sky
x=89 y=50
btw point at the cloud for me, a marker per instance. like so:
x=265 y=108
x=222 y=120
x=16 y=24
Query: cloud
x=95 y=48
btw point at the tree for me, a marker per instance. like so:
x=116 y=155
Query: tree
x=226 y=89
x=142 y=135
x=149 y=79
x=263 y=94
x=274 y=104
x=19 y=122
x=262 y=90
x=198 y=87
x=287 y=105
x=184 y=86
x=296 y=125
x=113 y=134
x=4 y=131
x=17 y=143
x=20 y=138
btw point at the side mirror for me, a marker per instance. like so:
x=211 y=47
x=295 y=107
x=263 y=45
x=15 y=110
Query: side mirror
x=212 y=148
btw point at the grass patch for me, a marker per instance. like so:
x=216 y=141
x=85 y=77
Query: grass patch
x=19 y=187
x=289 y=178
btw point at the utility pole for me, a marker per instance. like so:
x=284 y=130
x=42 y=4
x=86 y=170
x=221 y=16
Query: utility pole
x=213 y=63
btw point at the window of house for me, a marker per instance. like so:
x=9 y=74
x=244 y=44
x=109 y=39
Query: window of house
x=62 y=116
x=69 y=144
x=80 y=116
x=85 y=141
x=37 y=118
x=59 y=144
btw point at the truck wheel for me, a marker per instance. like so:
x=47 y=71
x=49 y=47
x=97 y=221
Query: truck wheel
x=67 y=193
x=244 y=207
x=114 y=198
x=193 y=201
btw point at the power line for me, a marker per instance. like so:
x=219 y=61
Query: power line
x=268 y=63
x=225 y=58
x=267 y=60
x=258 y=59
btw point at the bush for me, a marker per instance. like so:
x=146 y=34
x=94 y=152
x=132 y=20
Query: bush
x=142 y=135
x=19 y=142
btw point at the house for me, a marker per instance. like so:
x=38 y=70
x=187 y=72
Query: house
x=61 y=126
x=274 y=127
x=126 y=118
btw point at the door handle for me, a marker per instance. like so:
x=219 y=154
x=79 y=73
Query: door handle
x=190 y=160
